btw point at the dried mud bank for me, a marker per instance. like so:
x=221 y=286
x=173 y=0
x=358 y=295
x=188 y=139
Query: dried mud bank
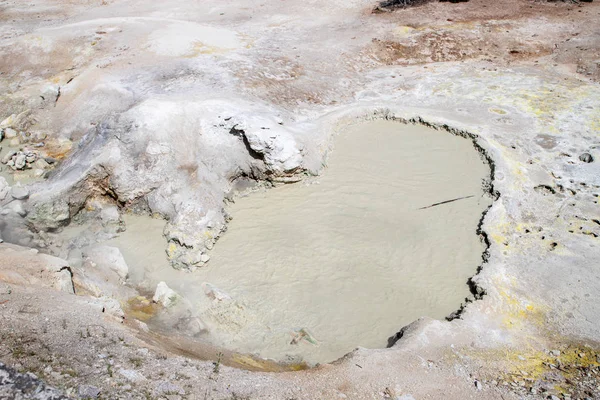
x=126 y=120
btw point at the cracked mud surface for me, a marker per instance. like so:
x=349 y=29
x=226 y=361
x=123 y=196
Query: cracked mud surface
x=170 y=108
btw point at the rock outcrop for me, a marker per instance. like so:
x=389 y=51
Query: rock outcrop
x=27 y=386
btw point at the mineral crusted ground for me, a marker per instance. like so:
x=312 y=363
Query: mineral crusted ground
x=168 y=107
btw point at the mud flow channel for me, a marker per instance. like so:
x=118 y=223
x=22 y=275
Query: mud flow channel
x=312 y=270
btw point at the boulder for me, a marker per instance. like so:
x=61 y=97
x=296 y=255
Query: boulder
x=50 y=215
x=165 y=295
x=90 y=279
x=64 y=281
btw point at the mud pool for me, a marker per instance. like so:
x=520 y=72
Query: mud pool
x=310 y=271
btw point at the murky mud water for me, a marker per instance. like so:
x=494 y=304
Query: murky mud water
x=313 y=270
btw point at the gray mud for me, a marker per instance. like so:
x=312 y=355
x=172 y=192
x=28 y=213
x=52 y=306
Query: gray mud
x=315 y=269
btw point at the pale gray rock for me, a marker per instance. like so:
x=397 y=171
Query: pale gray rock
x=98 y=281
x=108 y=257
x=88 y=392
x=50 y=94
x=20 y=160
x=57 y=271
x=215 y=293
x=16 y=207
x=163 y=388
x=165 y=296
x=41 y=164
x=8 y=156
x=30 y=157
x=27 y=386
x=10 y=133
x=4 y=188
x=109 y=214
x=39 y=136
x=192 y=326
x=132 y=375
x=108 y=306
x=64 y=281
x=50 y=215
x=19 y=192
x=17 y=122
